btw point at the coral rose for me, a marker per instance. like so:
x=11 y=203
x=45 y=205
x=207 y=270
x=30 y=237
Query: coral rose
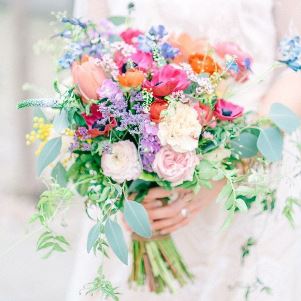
x=122 y=162
x=131 y=79
x=175 y=167
x=203 y=63
x=88 y=76
x=156 y=108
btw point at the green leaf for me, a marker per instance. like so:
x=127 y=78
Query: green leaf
x=116 y=240
x=137 y=218
x=206 y=171
x=49 y=152
x=59 y=173
x=224 y=194
x=270 y=144
x=241 y=205
x=284 y=118
x=60 y=121
x=92 y=237
x=117 y=20
x=149 y=177
x=245 y=145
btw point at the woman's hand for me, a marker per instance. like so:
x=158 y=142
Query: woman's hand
x=181 y=210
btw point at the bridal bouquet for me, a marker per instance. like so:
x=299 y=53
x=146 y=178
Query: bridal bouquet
x=146 y=109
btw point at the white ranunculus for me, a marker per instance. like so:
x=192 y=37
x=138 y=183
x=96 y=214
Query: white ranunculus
x=180 y=128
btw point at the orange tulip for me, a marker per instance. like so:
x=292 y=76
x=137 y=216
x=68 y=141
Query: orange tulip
x=187 y=46
x=203 y=63
x=131 y=79
x=88 y=76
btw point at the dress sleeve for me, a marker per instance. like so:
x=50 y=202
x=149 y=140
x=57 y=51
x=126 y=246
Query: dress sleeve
x=287 y=17
x=91 y=9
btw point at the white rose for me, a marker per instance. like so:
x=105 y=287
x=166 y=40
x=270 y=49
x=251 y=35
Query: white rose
x=180 y=128
x=122 y=162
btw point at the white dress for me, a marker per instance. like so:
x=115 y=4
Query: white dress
x=214 y=256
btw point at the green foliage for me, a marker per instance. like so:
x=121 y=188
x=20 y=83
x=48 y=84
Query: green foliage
x=52 y=243
x=245 y=145
x=284 y=118
x=93 y=236
x=38 y=102
x=116 y=240
x=288 y=210
x=59 y=174
x=102 y=285
x=270 y=144
x=117 y=20
x=49 y=153
x=245 y=248
x=60 y=121
x=137 y=218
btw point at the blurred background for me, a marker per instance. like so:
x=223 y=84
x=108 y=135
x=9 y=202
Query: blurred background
x=24 y=276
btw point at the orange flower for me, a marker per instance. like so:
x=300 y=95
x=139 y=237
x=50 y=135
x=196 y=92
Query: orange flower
x=187 y=46
x=203 y=63
x=131 y=79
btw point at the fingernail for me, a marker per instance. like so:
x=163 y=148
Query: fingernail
x=162 y=232
x=159 y=204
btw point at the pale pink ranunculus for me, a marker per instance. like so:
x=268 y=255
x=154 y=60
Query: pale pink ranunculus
x=175 y=167
x=122 y=162
x=88 y=76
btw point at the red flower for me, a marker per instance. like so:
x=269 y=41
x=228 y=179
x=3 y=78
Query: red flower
x=225 y=110
x=156 y=108
x=167 y=80
x=205 y=114
x=129 y=35
x=95 y=130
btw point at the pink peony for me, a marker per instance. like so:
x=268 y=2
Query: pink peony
x=88 y=76
x=243 y=61
x=122 y=162
x=129 y=35
x=166 y=80
x=175 y=167
x=225 y=110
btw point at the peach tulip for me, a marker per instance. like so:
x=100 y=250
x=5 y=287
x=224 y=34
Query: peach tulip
x=88 y=75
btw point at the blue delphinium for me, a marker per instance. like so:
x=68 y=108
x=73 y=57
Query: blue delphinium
x=168 y=51
x=70 y=56
x=158 y=32
x=290 y=52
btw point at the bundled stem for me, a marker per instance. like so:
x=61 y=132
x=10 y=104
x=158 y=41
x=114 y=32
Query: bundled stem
x=157 y=263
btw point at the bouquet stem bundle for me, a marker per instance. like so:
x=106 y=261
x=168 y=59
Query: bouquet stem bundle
x=157 y=262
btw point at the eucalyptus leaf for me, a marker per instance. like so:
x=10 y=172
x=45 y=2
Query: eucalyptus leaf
x=270 y=144
x=245 y=145
x=117 y=20
x=59 y=173
x=92 y=237
x=137 y=218
x=116 y=240
x=60 y=121
x=48 y=154
x=284 y=118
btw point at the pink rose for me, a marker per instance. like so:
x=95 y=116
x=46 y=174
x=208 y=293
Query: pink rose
x=175 y=167
x=166 y=80
x=225 y=110
x=88 y=76
x=130 y=35
x=122 y=162
x=243 y=61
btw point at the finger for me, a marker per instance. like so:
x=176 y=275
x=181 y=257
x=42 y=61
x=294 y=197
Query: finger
x=167 y=222
x=157 y=193
x=153 y=205
x=175 y=227
x=169 y=210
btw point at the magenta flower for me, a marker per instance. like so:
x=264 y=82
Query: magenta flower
x=130 y=35
x=166 y=80
x=225 y=110
x=241 y=67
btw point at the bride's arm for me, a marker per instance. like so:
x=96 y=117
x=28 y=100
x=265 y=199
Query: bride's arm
x=287 y=86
